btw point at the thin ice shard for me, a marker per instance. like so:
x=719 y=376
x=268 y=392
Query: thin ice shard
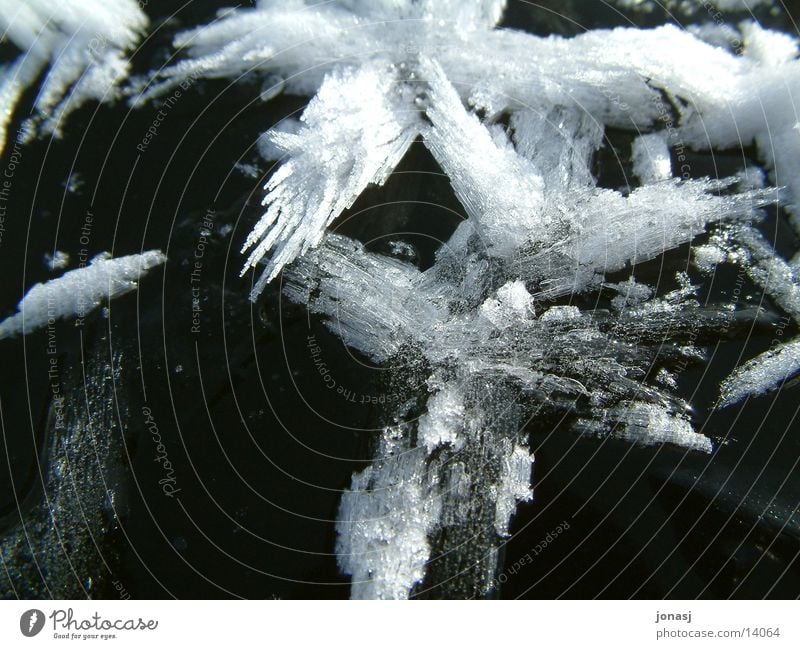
x=490 y=367
x=647 y=424
x=691 y=6
x=763 y=374
x=500 y=190
x=77 y=292
x=780 y=280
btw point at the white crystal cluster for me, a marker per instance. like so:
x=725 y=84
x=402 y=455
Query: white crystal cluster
x=80 y=291
x=514 y=121
x=384 y=522
x=313 y=187
x=709 y=96
x=494 y=326
x=78 y=46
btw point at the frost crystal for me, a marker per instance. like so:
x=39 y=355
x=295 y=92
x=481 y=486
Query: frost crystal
x=59 y=260
x=762 y=374
x=486 y=330
x=483 y=321
x=77 y=292
x=651 y=158
x=398 y=57
x=83 y=42
x=780 y=280
x=384 y=522
x=690 y=6
x=354 y=133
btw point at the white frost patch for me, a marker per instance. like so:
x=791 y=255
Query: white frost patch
x=609 y=231
x=767 y=47
x=59 y=260
x=630 y=294
x=14 y=80
x=444 y=421
x=384 y=521
x=516 y=135
x=648 y=424
x=268 y=147
x=500 y=190
x=708 y=257
x=651 y=158
x=445 y=52
x=561 y=314
x=374 y=66
x=689 y=6
x=664 y=377
x=781 y=282
x=79 y=291
x=512 y=305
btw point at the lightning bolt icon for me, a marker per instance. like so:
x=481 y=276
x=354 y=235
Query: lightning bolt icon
x=32 y=620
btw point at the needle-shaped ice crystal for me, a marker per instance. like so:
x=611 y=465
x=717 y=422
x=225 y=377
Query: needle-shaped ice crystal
x=84 y=44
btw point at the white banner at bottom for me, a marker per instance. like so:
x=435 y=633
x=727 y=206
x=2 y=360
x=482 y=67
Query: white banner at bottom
x=534 y=623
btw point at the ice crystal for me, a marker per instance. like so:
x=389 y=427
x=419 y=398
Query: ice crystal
x=483 y=319
x=691 y=6
x=780 y=280
x=78 y=292
x=82 y=41
x=354 y=133
x=632 y=78
x=514 y=121
x=651 y=158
